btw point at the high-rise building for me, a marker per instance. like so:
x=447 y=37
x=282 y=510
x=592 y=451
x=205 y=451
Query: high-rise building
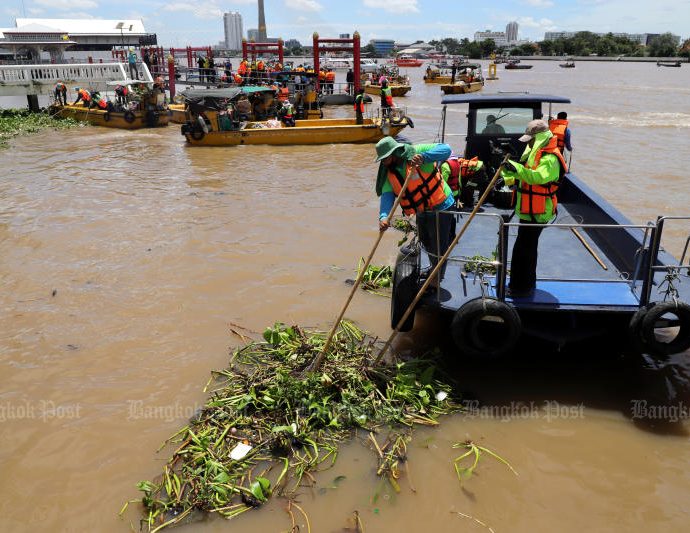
x=262 y=23
x=512 y=32
x=233 y=30
x=499 y=37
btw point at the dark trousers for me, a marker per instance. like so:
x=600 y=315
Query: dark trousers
x=426 y=226
x=523 y=264
x=359 y=117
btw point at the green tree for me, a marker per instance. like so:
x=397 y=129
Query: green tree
x=488 y=46
x=663 y=45
x=474 y=51
x=369 y=50
x=685 y=49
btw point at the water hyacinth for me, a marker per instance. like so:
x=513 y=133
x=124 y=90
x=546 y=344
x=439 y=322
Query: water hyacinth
x=15 y=122
x=269 y=422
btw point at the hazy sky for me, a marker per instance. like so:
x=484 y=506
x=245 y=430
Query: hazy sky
x=181 y=22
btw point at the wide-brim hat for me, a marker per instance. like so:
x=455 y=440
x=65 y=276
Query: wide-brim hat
x=385 y=147
x=533 y=127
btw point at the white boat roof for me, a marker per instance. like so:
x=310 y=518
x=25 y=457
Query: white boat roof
x=88 y=26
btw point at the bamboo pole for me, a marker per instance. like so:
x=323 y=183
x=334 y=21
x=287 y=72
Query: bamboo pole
x=441 y=261
x=589 y=248
x=319 y=359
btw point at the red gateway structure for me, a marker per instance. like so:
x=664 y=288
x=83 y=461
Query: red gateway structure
x=341 y=46
x=255 y=49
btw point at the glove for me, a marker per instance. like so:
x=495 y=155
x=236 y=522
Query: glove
x=508 y=173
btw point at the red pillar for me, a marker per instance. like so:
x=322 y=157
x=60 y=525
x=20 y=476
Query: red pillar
x=280 y=51
x=244 y=49
x=315 y=38
x=356 y=57
x=171 y=76
x=190 y=60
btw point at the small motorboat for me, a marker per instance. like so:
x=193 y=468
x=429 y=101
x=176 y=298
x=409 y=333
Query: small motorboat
x=468 y=79
x=668 y=63
x=514 y=65
x=567 y=64
x=406 y=60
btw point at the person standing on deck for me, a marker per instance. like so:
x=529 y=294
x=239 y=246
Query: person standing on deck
x=426 y=193
x=350 y=79
x=359 y=106
x=60 y=92
x=200 y=65
x=132 y=60
x=559 y=127
x=386 y=98
x=537 y=174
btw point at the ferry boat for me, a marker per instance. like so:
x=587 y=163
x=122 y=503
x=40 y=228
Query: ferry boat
x=406 y=60
x=599 y=275
x=345 y=63
x=516 y=65
x=668 y=63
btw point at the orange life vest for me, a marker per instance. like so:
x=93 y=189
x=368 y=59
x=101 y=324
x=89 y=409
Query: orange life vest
x=102 y=103
x=238 y=79
x=330 y=76
x=359 y=103
x=533 y=197
x=283 y=94
x=558 y=127
x=85 y=95
x=260 y=65
x=242 y=69
x=460 y=168
x=422 y=194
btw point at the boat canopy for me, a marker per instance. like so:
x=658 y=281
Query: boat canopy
x=225 y=93
x=502 y=98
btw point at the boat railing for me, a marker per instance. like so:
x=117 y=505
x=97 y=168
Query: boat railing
x=646 y=261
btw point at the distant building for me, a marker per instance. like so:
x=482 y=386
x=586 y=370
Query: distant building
x=499 y=37
x=640 y=38
x=383 y=47
x=98 y=34
x=232 y=22
x=253 y=35
x=262 y=36
x=512 y=32
x=344 y=36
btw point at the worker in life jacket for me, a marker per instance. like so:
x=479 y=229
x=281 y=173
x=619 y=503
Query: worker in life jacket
x=101 y=102
x=459 y=173
x=283 y=93
x=559 y=127
x=426 y=195
x=242 y=69
x=359 y=106
x=330 y=80
x=277 y=67
x=386 y=98
x=121 y=93
x=238 y=79
x=83 y=96
x=60 y=92
x=537 y=175
x=287 y=114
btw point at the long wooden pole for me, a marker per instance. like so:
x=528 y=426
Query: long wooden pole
x=319 y=359
x=589 y=248
x=441 y=261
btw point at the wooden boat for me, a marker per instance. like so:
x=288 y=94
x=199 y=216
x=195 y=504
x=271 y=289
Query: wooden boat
x=512 y=65
x=608 y=277
x=408 y=61
x=127 y=120
x=396 y=89
x=177 y=113
x=460 y=87
x=567 y=64
x=324 y=131
x=668 y=63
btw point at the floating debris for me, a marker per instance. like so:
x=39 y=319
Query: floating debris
x=375 y=278
x=269 y=423
x=14 y=122
x=475 y=451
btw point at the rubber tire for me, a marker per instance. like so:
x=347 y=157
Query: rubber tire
x=106 y=116
x=464 y=328
x=196 y=134
x=680 y=343
x=635 y=330
x=405 y=288
x=129 y=117
x=409 y=122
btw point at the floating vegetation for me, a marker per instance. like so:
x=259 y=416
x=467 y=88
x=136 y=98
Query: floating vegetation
x=14 y=122
x=481 y=264
x=474 y=453
x=269 y=423
x=406 y=226
x=375 y=277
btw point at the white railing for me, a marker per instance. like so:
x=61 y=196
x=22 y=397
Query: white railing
x=17 y=80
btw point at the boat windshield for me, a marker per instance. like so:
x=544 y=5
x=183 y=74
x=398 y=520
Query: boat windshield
x=502 y=120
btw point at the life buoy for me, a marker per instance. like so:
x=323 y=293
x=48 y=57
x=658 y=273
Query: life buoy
x=486 y=328
x=405 y=287
x=129 y=117
x=106 y=116
x=645 y=321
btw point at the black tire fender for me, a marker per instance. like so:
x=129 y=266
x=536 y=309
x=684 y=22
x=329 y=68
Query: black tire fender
x=635 y=330
x=129 y=117
x=106 y=116
x=197 y=134
x=405 y=288
x=680 y=342
x=469 y=338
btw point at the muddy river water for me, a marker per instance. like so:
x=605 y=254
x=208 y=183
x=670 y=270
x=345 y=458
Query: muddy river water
x=124 y=257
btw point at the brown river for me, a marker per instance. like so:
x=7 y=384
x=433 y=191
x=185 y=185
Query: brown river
x=125 y=257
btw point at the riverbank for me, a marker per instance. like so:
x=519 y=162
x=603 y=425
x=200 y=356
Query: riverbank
x=624 y=59
x=15 y=122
